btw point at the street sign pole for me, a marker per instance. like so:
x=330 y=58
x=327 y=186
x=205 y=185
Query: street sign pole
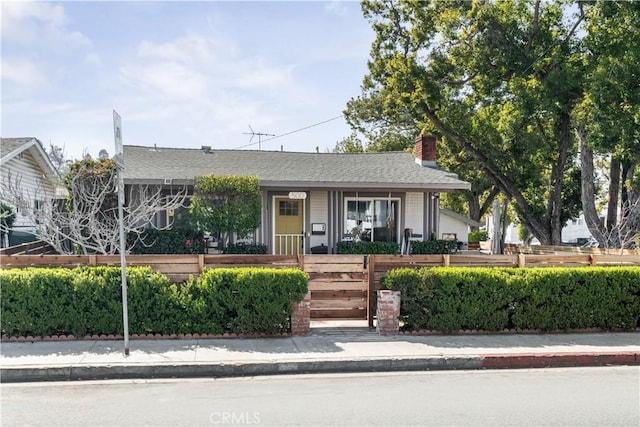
x=117 y=131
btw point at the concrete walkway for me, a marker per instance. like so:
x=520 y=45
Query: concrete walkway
x=334 y=348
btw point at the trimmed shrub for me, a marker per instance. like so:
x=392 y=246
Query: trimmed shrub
x=493 y=299
x=246 y=249
x=368 y=248
x=250 y=300
x=175 y=241
x=430 y=247
x=88 y=300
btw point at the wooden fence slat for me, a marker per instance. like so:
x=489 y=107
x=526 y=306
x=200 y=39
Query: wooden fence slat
x=337 y=276
x=333 y=259
x=327 y=286
x=339 y=304
x=351 y=314
x=337 y=294
x=333 y=268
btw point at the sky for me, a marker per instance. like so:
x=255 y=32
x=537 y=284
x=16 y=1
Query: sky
x=181 y=74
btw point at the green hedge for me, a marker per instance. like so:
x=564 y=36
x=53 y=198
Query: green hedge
x=245 y=249
x=493 y=299
x=433 y=247
x=176 y=241
x=88 y=300
x=368 y=248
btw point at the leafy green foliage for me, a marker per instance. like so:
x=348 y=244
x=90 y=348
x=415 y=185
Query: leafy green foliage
x=174 y=241
x=368 y=248
x=478 y=236
x=227 y=204
x=252 y=300
x=7 y=218
x=246 y=249
x=498 y=82
x=433 y=247
x=88 y=300
x=493 y=299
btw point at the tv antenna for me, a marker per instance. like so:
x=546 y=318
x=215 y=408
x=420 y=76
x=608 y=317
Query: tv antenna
x=259 y=134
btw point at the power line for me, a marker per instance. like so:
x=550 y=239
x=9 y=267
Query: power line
x=293 y=131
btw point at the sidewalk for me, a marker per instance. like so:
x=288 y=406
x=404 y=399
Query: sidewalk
x=326 y=350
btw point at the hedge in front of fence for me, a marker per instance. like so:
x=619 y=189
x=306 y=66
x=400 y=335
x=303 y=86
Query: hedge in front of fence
x=368 y=248
x=429 y=247
x=494 y=299
x=245 y=249
x=88 y=300
x=175 y=241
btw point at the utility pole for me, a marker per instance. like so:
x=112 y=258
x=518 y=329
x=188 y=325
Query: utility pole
x=259 y=134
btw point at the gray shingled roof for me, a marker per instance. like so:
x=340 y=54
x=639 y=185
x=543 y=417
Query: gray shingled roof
x=280 y=169
x=8 y=145
x=460 y=217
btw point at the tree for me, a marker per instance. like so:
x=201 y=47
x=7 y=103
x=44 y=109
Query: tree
x=59 y=159
x=608 y=120
x=7 y=219
x=498 y=82
x=226 y=205
x=87 y=220
x=382 y=133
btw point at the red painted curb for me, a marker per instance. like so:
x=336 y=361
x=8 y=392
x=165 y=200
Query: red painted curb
x=550 y=360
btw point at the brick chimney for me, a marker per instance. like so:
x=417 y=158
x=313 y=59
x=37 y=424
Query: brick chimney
x=426 y=152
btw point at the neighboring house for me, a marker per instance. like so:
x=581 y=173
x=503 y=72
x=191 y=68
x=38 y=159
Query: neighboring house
x=315 y=199
x=574 y=232
x=25 y=163
x=455 y=225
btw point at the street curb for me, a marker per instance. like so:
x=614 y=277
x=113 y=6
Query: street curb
x=226 y=370
x=551 y=360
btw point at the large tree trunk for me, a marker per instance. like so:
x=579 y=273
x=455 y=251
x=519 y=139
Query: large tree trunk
x=587 y=191
x=614 y=190
x=477 y=211
x=629 y=226
x=554 y=203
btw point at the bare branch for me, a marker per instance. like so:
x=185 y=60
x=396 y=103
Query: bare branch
x=88 y=220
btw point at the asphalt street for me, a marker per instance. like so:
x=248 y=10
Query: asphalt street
x=596 y=396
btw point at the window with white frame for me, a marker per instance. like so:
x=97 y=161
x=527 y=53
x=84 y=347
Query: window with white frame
x=371 y=219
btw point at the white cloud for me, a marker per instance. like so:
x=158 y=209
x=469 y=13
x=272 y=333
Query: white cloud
x=93 y=59
x=22 y=71
x=43 y=23
x=167 y=78
x=336 y=7
x=263 y=76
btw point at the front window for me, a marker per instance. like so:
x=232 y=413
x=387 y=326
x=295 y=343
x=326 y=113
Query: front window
x=372 y=220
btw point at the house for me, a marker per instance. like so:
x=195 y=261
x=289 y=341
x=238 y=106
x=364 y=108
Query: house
x=455 y=226
x=312 y=200
x=25 y=165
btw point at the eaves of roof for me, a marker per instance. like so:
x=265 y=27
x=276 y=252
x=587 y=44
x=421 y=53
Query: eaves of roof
x=460 y=217
x=12 y=147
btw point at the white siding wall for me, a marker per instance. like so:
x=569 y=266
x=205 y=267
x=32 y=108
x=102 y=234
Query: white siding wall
x=452 y=225
x=319 y=208
x=33 y=183
x=414 y=212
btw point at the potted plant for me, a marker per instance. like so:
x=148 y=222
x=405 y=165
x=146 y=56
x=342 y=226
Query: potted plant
x=475 y=238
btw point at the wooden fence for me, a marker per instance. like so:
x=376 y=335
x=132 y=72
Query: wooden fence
x=512 y=249
x=379 y=265
x=341 y=286
x=31 y=248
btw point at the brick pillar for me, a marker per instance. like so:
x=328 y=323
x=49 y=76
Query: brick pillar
x=388 y=312
x=301 y=316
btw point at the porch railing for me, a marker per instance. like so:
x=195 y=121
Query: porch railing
x=289 y=244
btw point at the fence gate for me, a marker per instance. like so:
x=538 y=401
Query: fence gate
x=338 y=286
